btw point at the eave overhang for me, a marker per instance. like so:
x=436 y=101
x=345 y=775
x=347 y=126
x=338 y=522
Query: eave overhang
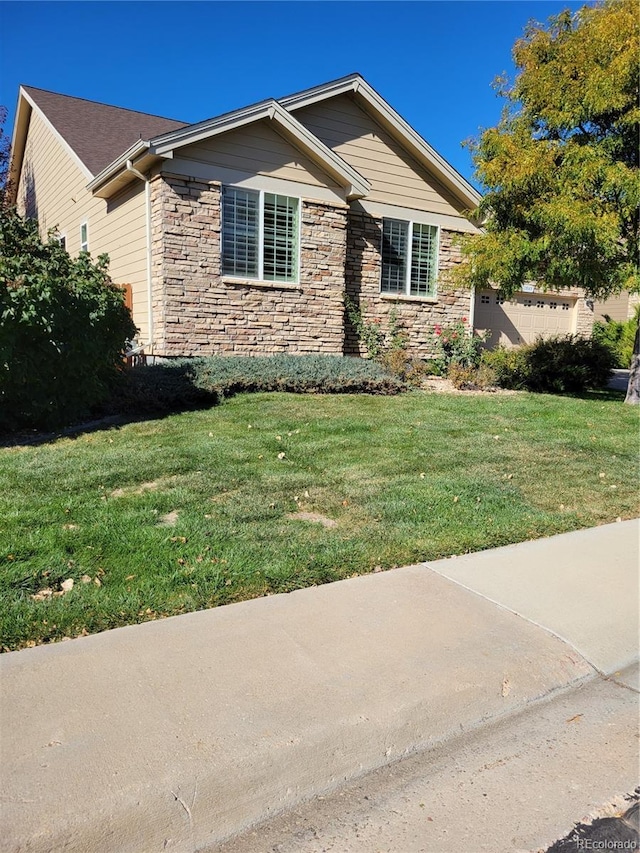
x=144 y=153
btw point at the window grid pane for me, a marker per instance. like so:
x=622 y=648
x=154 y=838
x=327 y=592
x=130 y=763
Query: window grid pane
x=424 y=260
x=240 y=232
x=394 y=255
x=280 y=238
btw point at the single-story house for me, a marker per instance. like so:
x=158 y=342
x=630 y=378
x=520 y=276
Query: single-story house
x=243 y=233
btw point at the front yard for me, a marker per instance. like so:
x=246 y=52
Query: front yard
x=271 y=492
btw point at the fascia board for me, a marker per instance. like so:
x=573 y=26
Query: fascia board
x=18 y=143
x=110 y=171
x=418 y=146
x=322 y=92
x=63 y=142
x=205 y=129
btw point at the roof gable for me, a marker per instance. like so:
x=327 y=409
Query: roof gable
x=373 y=103
x=164 y=145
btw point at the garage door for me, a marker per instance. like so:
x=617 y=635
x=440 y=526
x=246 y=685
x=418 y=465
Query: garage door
x=524 y=317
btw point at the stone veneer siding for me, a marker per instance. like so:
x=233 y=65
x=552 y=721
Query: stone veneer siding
x=197 y=311
x=417 y=316
x=585 y=314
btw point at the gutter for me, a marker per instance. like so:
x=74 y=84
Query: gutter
x=129 y=167
x=112 y=169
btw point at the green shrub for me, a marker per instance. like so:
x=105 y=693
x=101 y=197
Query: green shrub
x=509 y=366
x=63 y=328
x=556 y=365
x=618 y=337
x=197 y=382
x=323 y=374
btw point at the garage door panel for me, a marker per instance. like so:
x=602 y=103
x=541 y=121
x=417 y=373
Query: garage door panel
x=524 y=317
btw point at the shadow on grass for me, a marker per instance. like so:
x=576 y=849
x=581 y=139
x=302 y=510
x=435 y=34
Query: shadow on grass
x=144 y=393
x=605 y=394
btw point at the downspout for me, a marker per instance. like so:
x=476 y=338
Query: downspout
x=147 y=193
x=472 y=310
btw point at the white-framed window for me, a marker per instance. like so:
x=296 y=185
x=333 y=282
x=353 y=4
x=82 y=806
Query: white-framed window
x=260 y=235
x=62 y=239
x=84 y=237
x=409 y=258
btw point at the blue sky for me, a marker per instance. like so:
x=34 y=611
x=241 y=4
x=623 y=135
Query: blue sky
x=433 y=61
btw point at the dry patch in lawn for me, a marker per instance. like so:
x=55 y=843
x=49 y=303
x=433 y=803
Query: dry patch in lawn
x=314 y=517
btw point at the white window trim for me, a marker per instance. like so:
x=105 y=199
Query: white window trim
x=84 y=247
x=406 y=293
x=62 y=239
x=260 y=279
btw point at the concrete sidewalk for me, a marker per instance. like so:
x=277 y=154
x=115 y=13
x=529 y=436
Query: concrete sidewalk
x=176 y=735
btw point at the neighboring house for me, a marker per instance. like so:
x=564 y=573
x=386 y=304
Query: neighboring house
x=243 y=233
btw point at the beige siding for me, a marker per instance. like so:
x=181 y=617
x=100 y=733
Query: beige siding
x=258 y=150
x=619 y=308
x=52 y=188
x=394 y=176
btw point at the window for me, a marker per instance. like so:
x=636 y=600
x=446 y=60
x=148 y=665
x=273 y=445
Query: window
x=63 y=242
x=84 y=237
x=409 y=258
x=259 y=235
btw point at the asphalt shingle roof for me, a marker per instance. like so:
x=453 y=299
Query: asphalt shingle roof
x=98 y=133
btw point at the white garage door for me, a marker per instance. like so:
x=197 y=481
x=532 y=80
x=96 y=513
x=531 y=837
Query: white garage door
x=524 y=317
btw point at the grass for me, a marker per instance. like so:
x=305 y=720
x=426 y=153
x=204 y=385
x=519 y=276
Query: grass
x=199 y=509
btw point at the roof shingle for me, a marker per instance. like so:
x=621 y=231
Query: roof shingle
x=98 y=133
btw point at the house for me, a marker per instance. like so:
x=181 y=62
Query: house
x=243 y=233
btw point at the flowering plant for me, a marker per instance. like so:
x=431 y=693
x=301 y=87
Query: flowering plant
x=457 y=344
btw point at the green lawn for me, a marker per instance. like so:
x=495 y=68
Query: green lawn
x=198 y=509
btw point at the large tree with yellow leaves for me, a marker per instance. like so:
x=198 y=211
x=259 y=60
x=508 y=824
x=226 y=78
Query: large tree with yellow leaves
x=560 y=170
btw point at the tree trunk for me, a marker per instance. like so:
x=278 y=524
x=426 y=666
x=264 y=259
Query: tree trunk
x=633 y=390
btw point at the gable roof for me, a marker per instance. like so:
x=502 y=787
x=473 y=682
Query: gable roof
x=393 y=122
x=97 y=133
x=108 y=141
x=287 y=125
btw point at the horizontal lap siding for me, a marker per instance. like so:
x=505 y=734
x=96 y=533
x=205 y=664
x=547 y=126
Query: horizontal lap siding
x=258 y=149
x=395 y=177
x=53 y=188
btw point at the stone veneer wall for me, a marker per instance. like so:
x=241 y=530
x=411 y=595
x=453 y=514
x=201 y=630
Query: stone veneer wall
x=417 y=316
x=197 y=311
x=585 y=314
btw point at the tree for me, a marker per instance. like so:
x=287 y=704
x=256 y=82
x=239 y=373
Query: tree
x=63 y=327
x=5 y=149
x=560 y=169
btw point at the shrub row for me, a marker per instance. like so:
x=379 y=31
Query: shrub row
x=193 y=383
x=557 y=365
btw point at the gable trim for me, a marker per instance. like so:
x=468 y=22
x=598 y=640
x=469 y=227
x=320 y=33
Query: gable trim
x=287 y=125
x=384 y=113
